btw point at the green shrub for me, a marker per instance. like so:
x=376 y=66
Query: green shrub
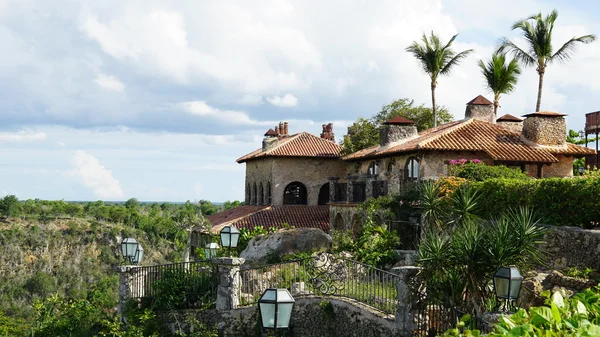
x=557 y=201
x=40 y=284
x=477 y=171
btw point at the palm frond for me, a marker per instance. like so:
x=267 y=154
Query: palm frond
x=565 y=52
x=455 y=60
x=518 y=53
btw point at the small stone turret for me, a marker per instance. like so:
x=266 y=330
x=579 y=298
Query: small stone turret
x=396 y=129
x=482 y=109
x=270 y=140
x=545 y=128
x=510 y=123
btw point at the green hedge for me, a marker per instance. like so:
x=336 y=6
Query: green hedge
x=557 y=201
x=477 y=171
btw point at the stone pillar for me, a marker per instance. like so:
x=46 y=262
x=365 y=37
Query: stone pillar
x=332 y=188
x=404 y=320
x=131 y=284
x=349 y=194
x=228 y=290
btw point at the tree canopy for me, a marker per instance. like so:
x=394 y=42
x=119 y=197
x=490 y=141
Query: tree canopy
x=365 y=132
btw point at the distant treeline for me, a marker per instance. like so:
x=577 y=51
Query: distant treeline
x=127 y=212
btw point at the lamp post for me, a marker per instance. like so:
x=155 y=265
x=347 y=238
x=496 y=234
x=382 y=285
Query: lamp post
x=230 y=237
x=507 y=285
x=275 y=309
x=210 y=250
x=581 y=170
x=132 y=250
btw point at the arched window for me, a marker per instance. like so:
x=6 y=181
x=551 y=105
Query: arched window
x=338 y=223
x=391 y=163
x=260 y=194
x=268 y=193
x=373 y=168
x=412 y=169
x=324 y=194
x=295 y=194
x=355 y=226
x=248 y=194
x=254 y=198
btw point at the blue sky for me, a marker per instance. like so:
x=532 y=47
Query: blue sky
x=155 y=100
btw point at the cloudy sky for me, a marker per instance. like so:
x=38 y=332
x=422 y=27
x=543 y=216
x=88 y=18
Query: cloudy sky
x=156 y=99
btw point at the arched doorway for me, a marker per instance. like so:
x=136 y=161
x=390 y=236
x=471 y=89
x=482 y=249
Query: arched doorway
x=324 y=194
x=356 y=226
x=338 y=223
x=295 y=194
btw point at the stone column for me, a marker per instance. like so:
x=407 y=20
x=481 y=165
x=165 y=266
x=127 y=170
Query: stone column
x=131 y=284
x=228 y=290
x=332 y=187
x=404 y=320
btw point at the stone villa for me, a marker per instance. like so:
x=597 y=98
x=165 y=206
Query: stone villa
x=304 y=181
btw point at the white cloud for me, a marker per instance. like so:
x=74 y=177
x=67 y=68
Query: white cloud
x=251 y=99
x=200 y=108
x=93 y=175
x=109 y=82
x=288 y=100
x=22 y=136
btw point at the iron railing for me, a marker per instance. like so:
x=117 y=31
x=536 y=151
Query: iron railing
x=324 y=275
x=176 y=285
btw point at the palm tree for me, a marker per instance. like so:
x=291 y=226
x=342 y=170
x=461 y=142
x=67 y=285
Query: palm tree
x=537 y=32
x=500 y=77
x=436 y=59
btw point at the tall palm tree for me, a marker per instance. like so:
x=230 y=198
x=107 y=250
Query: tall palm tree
x=500 y=77
x=537 y=32
x=436 y=59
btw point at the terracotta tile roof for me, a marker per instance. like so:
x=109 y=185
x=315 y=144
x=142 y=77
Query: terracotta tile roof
x=234 y=214
x=472 y=135
x=571 y=149
x=299 y=145
x=509 y=118
x=399 y=120
x=299 y=216
x=479 y=100
x=544 y=114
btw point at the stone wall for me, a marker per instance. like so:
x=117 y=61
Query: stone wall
x=511 y=126
x=481 y=112
x=312 y=317
x=545 y=130
x=434 y=164
x=572 y=247
x=564 y=168
x=312 y=172
x=258 y=171
x=345 y=212
x=390 y=133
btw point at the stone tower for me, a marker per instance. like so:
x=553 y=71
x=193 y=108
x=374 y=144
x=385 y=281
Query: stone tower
x=510 y=123
x=396 y=129
x=545 y=128
x=482 y=109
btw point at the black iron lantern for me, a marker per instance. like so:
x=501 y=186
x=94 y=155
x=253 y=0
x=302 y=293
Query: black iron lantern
x=230 y=237
x=210 y=250
x=414 y=219
x=275 y=308
x=507 y=284
x=132 y=250
x=581 y=170
x=581 y=134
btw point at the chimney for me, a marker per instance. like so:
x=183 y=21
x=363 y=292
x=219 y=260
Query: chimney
x=396 y=129
x=482 y=109
x=545 y=128
x=285 y=129
x=328 y=132
x=281 y=129
x=277 y=131
x=270 y=140
x=510 y=123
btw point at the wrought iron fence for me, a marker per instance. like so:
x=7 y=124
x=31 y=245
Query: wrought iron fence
x=176 y=285
x=324 y=275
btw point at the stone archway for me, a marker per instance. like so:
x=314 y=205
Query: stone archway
x=295 y=194
x=338 y=223
x=324 y=194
